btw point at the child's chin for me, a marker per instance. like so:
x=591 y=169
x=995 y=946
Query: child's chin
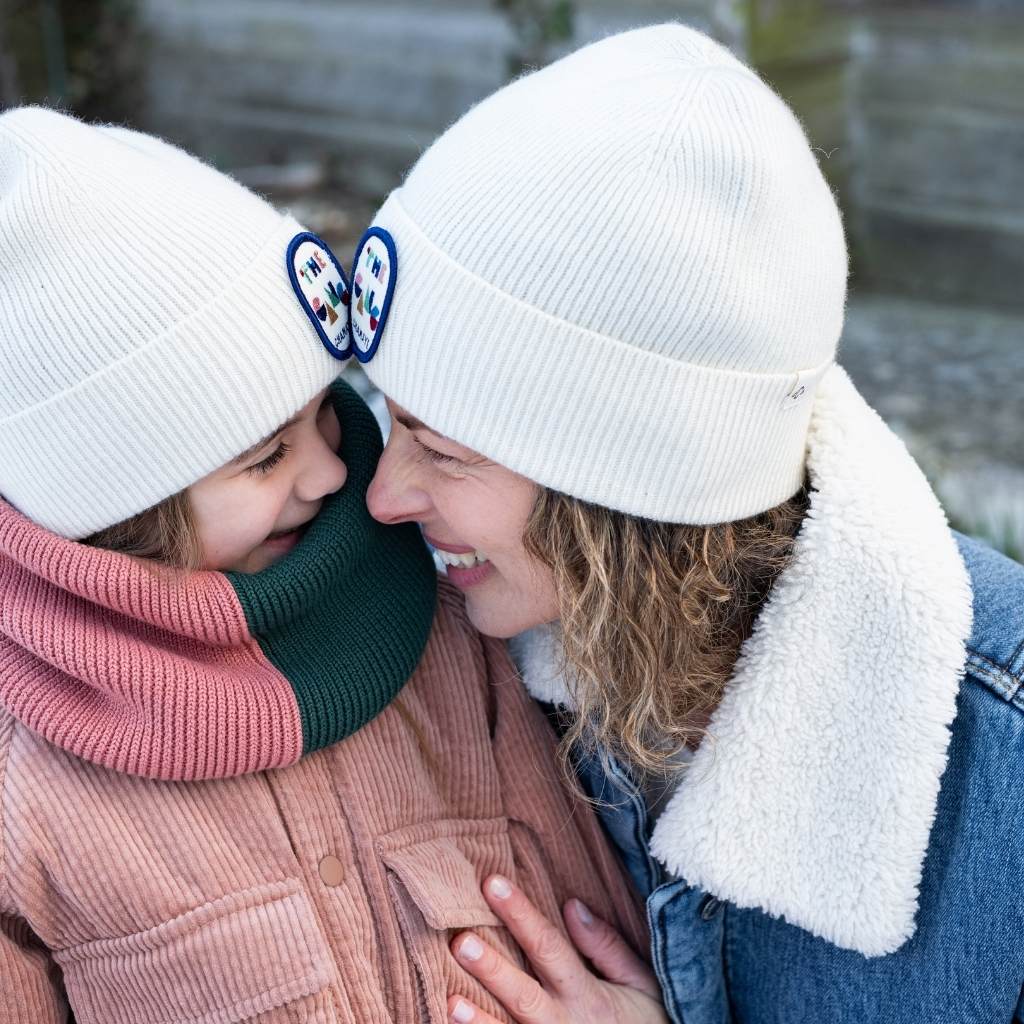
x=265 y=559
x=266 y=554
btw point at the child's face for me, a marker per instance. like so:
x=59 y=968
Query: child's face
x=253 y=510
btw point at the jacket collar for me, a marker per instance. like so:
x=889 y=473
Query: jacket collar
x=814 y=795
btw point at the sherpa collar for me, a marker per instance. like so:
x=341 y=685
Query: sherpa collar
x=815 y=797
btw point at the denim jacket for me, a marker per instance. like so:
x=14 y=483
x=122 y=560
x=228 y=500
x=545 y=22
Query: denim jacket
x=847 y=845
x=719 y=963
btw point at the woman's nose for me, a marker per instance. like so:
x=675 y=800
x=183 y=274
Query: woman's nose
x=393 y=495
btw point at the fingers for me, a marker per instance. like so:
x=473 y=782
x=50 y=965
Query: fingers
x=461 y=1011
x=520 y=994
x=608 y=951
x=552 y=957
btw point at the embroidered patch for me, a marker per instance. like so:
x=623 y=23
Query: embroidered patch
x=374 y=270
x=322 y=290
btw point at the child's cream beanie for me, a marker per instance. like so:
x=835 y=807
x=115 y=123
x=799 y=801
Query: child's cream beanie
x=150 y=330
x=621 y=276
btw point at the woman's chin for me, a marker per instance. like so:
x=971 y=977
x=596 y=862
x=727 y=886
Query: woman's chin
x=502 y=619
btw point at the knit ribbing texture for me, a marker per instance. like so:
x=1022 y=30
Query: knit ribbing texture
x=213 y=675
x=621 y=276
x=148 y=329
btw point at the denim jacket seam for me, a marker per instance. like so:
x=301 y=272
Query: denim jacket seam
x=728 y=952
x=1016 y=663
x=997 y=678
x=627 y=788
x=657 y=924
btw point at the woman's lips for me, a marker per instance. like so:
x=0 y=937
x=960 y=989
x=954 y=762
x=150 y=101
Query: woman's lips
x=464 y=578
x=455 y=549
x=465 y=566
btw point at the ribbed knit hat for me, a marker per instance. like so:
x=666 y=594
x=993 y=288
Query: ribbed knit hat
x=621 y=276
x=149 y=329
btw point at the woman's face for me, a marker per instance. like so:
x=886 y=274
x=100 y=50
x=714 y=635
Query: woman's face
x=473 y=513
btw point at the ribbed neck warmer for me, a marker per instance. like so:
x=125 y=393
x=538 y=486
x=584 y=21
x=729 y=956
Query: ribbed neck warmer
x=215 y=674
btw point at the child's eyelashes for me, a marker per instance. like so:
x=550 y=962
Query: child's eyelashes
x=264 y=466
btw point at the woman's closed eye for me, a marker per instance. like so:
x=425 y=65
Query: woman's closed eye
x=434 y=455
x=264 y=466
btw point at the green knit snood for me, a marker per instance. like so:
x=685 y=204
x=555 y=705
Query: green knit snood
x=345 y=616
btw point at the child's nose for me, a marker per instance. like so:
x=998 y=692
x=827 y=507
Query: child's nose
x=325 y=475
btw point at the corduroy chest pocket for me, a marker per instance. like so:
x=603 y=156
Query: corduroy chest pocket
x=435 y=871
x=252 y=955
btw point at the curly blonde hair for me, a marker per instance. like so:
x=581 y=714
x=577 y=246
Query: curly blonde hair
x=653 y=616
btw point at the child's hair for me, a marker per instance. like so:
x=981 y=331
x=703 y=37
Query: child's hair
x=653 y=616
x=165 y=533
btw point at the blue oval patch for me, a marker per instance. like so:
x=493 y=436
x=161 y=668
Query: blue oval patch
x=322 y=289
x=374 y=272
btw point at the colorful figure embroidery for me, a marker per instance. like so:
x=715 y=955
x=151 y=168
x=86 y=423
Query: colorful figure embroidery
x=374 y=269
x=324 y=311
x=321 y=287
x=335 y=298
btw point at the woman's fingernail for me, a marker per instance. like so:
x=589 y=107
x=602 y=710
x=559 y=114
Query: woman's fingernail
x=586 y=918
x=463 y=1013
x=471 y=949
x=500 y=888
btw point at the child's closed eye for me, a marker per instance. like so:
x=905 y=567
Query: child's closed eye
x=264 y=466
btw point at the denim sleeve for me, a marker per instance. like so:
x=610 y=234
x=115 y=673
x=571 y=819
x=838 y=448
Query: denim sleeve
x=965 y=962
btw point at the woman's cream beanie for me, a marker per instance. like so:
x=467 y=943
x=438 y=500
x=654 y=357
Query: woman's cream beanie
x=621 y=276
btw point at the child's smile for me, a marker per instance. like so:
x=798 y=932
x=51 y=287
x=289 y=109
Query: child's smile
x=256 y=509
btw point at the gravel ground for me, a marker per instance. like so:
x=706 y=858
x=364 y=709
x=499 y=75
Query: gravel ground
x=948 y=380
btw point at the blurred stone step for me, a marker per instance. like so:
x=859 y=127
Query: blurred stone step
x=948 y=380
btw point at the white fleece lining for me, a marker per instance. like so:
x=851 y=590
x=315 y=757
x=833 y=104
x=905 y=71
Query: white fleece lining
x=816 y=797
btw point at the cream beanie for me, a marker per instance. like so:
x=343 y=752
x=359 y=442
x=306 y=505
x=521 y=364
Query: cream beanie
x=621 y=276
x=150 y=330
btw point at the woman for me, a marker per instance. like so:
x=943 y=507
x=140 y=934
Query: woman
x=609 y=354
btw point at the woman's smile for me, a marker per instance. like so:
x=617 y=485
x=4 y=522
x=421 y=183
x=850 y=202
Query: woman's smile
x=466 y=566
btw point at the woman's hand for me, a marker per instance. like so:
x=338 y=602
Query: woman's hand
x=568 y=991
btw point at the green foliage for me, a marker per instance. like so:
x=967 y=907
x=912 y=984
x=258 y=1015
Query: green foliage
x=539 y=26
x=85 y=55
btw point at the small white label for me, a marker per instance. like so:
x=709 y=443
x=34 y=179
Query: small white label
x=802 y=387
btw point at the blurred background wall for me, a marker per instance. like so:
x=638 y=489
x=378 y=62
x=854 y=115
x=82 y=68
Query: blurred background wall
x=916 y=110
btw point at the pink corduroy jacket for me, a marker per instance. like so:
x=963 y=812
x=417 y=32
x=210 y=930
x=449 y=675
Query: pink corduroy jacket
x=325 y=891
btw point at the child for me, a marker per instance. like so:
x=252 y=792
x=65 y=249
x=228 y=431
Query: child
x=214 y=804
